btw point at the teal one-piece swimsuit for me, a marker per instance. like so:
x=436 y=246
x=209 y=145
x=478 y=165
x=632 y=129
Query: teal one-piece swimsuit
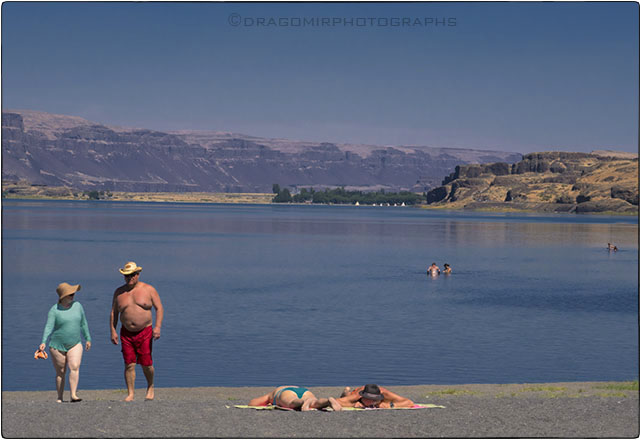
x=298 y=390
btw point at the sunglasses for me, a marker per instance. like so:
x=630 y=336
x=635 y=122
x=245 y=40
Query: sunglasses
x=129 y=275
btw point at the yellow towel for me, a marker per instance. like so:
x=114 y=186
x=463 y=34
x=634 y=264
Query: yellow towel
x=416 y=406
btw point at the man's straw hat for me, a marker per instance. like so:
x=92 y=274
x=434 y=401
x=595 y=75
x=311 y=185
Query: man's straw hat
x=66 y=289
x=130 y=268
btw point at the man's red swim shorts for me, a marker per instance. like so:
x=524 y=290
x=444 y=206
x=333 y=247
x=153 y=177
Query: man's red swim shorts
x=136 y=346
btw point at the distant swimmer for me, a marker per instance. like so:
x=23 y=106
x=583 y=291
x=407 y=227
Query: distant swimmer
x=433 y=270
x=611 y=247
x=447 y=269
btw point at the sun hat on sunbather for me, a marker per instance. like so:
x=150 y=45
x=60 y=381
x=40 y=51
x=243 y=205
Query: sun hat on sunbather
x=130 y=268
x=371 y=391
x=66 y=289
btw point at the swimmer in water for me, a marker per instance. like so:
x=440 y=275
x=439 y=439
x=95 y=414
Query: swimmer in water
x=433 y=270
x=447 y=269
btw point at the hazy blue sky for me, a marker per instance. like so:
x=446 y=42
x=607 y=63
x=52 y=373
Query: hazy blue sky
x=511 y=76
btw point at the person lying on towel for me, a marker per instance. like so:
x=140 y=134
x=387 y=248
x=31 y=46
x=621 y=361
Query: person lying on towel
x=293 y=397
x=372 y=396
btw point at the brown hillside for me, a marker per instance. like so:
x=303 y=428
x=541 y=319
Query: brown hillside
x=549 y=181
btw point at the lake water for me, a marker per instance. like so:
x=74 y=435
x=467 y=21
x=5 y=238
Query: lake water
x=329 y=295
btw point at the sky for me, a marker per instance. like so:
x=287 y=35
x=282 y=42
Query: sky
x=511 y=76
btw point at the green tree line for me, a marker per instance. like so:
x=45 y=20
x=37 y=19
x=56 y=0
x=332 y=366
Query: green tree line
x=341 y=196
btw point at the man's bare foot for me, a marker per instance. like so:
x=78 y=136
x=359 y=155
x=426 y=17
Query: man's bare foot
x=59 y=401
x=346 y=391
x=150 y=393
x=129 y=398
x=335 y=405
x=307 y=404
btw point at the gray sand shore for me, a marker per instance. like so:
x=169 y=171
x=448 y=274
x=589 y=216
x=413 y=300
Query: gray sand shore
x=567 y=410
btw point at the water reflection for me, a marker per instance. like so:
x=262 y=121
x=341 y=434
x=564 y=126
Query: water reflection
x=404 y=226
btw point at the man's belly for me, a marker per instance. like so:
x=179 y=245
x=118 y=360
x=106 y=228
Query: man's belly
x=135 y=322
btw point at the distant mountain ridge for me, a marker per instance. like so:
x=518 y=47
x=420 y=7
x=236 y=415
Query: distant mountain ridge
x=61 y=150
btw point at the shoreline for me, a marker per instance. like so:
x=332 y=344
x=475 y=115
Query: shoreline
x=561 y=409
x=260 y=199
x=526 y=389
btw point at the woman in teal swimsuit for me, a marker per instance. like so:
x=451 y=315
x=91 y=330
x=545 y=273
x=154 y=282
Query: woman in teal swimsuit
x=65 y=322
x=293 y=397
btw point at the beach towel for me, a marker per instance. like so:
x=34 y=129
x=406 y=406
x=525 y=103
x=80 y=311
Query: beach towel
x=416 y=406
x=260 y=407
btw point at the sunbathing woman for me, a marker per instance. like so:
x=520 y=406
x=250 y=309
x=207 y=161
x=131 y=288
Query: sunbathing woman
x=293 y=397
x=372 y=396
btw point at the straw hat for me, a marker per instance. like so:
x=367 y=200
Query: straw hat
x=130 y=268
x=66 y=289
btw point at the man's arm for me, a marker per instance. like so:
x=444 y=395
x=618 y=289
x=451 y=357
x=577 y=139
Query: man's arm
x=113 y=319
x=349 y=400
x=398 y=401
x=160 y=311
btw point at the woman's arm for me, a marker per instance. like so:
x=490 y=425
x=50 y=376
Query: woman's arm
x=51 y=321
x=262 y=400
x=84 y=327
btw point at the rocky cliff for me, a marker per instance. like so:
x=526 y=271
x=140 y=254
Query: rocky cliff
x=60 y=150
x=551 y=181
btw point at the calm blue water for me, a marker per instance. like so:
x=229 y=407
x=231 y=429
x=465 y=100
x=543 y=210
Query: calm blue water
x=319 y=295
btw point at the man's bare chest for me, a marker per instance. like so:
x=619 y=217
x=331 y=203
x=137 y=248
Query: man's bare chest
x=135 y=300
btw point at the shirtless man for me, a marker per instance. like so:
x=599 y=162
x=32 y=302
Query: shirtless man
x=372 y=396
x=133 y=302
x=433 y=270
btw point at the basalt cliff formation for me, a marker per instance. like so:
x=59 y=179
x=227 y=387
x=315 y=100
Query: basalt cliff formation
x=68 y=151
x=545 y=182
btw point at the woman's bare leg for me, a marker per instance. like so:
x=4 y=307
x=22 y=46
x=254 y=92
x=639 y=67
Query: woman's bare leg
x=74 y=358
x=59 y=361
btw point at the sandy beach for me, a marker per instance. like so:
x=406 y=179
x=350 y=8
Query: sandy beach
x=569 y=410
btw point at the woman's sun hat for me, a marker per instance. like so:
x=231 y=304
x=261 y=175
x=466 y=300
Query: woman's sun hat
x=66 y=289
x=371 y=391
x=130 y=268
